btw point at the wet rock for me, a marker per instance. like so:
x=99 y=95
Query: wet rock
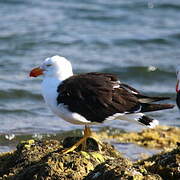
x=162 y=137
x=166 y=164
x=120 y=168
x=92 y=144
x=35 y=159
x=43 y=160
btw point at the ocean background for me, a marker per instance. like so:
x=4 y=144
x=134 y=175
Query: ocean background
x=139 y=40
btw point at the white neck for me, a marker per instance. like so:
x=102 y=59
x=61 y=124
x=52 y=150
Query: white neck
x=50 y=85
x=64 y=74
x=49 y=91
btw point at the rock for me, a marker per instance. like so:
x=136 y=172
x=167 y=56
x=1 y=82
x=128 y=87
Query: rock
x=35 y=159
x=43 y=160
x=162 y=137
x=166 y=164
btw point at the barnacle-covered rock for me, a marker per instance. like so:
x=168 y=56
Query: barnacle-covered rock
x=35 y=159
x=166 y=164
x=44 y=160
x=162 y=137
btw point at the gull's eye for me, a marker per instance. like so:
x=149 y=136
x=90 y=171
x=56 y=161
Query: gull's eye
x=48 y=65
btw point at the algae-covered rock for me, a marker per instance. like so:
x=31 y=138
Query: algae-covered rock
x=117 y=169
x=166 y=164
x=44 y=160
x=114 y=169
x=28 y=153
x=162 y=137
x=35 y=159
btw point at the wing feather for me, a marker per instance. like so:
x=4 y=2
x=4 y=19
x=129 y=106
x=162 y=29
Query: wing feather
x=93 y=96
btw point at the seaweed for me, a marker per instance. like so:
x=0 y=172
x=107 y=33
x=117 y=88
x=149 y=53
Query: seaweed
x=43 y=159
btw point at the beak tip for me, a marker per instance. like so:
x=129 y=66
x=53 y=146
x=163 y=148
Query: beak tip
x=31 y=74
x=177 y=86
x=36 y=72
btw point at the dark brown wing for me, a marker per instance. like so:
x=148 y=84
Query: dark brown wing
x=141 y=97
x=96 y=96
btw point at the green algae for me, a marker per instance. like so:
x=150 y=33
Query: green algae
x=35 y=160
x=166 y=164
x=162 y=137
x=43 y=160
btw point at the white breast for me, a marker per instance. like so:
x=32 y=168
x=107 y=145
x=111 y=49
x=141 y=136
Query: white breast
x=49 y=91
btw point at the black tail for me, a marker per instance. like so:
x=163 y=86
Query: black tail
x=155 y=107
x=147 y=121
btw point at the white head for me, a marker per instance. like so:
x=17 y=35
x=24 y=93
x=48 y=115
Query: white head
x=178 y=78
x=57 y=67
x=178 y=72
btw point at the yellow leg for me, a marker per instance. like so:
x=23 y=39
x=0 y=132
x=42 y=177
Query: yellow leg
x=87 y=131
x=87 y=134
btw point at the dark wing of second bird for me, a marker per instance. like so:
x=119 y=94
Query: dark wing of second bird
x=97 y=96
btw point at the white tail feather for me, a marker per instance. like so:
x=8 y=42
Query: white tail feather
x=139 y=118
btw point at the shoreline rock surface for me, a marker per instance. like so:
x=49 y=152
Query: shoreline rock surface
x=43 y=160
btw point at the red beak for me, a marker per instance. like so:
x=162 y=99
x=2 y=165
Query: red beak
x=36 y=72
x=177 y=86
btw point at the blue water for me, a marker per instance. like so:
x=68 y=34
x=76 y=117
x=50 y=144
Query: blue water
x=138 y=40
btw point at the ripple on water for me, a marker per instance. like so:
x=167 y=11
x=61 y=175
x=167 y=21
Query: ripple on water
x=137 y=40
x=19 y=94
